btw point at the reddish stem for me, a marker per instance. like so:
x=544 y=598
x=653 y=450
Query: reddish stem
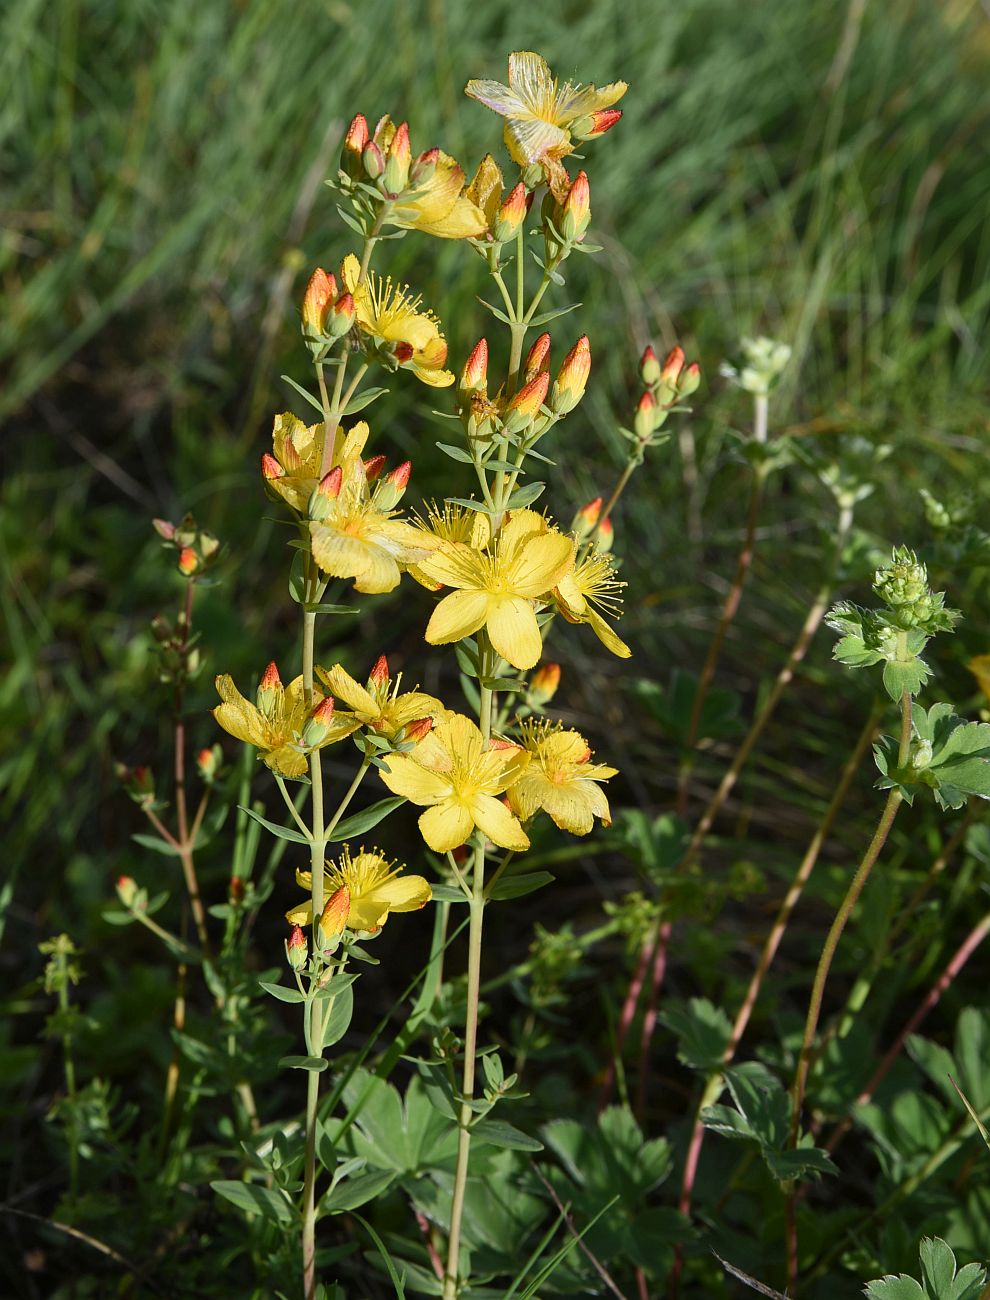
x=625 y=1021
x=658 y=968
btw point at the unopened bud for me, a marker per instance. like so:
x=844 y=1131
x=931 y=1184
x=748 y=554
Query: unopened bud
x=525 y=405
x=605 y=537
x=373 y=467
x=341 y=317
x=269 y=690
x=354 y=142
x=572 y=378
x=690 y=380
x=127 y=890
x=325 y=494
x=413 y=732
x=474 y=376
x=543 y=685
x=397 y=164
x=333 y=921
x=649 y=367
x=270 y=467
x=424 y=168
x=672 y=367
x=575 y=215
x=644 y=422
x=391 y=489
x=317 y=301
x=188 y=561
x=379 y=675
x=595 y=124
x=373 y=160
x=208 y=763
x=208 y=545
x=164 y=529
x=511 y=213
x=532 y=176
x=235 y=891
x=296 y=948
x=317 y=727
x=537 y=358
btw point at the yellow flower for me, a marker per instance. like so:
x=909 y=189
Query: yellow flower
x=379 y=705
x=561 y=779
x=541 y=114
x=456 y=777
x=276 y=724
x=298 y=453
x=497 y=587
x=980 y=668
x=356 y=536
x=591 y=583
x=451 y=523
x=388 y=314
x=374 y=888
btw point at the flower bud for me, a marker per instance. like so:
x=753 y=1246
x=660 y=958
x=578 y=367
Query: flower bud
x=164 y=529
x=525 y=405
x=649 y=367
x=644 y=422
x=689 y=380
x=543 y=684
x=605 y=537
x=342 y=316
x=672 y=367
x=413 y=732
x=373 y=160
x=532 y=176
x=325 y=494
x=393 y=486
x=188 y=561
x=537 y=358
x=373 y=467
x=235 y=891
x=270 y=467
x=269 y=690
x=575 y=214
x=296 y=948
x=317 y=727
x=572 y=378
x=379 y=675
x=902 y=582
x=127 y=890
x=333 y=921
x=424 y=168
x=317 y=301
x=585 y=521
x=474 y=376
x=208 y=763
x=397 y=164
x=595 y=124
x=208 y=545
x=511 y=213
x=354 y=142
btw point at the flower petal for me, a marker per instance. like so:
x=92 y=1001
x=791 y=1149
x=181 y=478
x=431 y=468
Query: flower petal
x=342 y=686
x=513 y=629
x=403 y=893
x=446 y=826
x=412 y=781
x=495 y=820
x=497 y=97
x=458 y=615
x=606 y=635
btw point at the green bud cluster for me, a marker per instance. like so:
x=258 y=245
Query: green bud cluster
x=760 y=365
x=903 y=587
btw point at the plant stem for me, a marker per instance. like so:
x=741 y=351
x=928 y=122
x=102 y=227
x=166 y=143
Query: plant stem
x=185 y=841
x=891 y=808
x=70 y=1081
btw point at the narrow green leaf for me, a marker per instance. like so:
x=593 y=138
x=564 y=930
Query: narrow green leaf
x=339 y=1020
x=159 y=845
x=518 y=886
x=280 y=832
x=525 y=496
x=455 y=453
x=468 y=503
x=545 y=317
x=316 y=1064
x=266 y=1201
x=283 y=992
x=364 y=820
x=497 y=1133
x=360 y=400
x=303 y=393
x=499 y=315
x=311 y=608
x=397 y=1281
x=352 y=1192
x=448 y=894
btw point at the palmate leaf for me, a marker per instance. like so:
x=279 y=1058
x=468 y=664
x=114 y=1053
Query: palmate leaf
x=702 y=1031
x=940 y=1279
x=956 y=767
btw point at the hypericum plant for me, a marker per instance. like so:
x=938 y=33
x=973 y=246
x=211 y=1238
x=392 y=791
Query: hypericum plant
x=498 y=570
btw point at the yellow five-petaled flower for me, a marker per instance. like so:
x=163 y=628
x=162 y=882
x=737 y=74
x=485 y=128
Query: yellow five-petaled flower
x=560 y=779
x=360 y=893
x=388 y=314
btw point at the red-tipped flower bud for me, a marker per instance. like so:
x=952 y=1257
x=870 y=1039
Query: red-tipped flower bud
x=537 y=358
x=269 y=690
x=333 y=921
x=596 y=124
x=584 y=522
x=690 y=380
x=672 y=367
x=208 y=763
x=575 y=214
x=474 y=376
x=373 y=160
x=296 y=947
x=424 y=167
x=525 y=406
x=354 y=142
x=645 y=419
x=572 y=378
x=373 y=467
x=379 y=675
x=399 y=159
x=317 y=727
x=325 y=493
x=164 y=529
x=511 y=213
x=649 y=367
x=235 y=891
x=342 y=317
x=127 y=890
x=391 y=489
x=317 y=301
x=543 y=685
x=413 y=732
x=605 y=537
x=270 y=467
x=188 y=561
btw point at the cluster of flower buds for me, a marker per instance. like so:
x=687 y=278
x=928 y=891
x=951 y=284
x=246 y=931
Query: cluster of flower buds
x=198 y=550
x=384 y=159
x=589 y=526
x=178 y=655
x=566 y=220
x=903 y=587
x=482 y=416
x=761 y=363
x=327 y=314
x=139 y=782
x=665 y=385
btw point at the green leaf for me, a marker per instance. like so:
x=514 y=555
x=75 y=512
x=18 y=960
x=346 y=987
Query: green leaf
x=397 y=1281
x=546 y=317
x=798 y=1163
x=159 y=845
x=448 y=894
x=520 y=885
x=497 y=1133
x=283 y=992
x=352 y=1192
x=266 y=1201
x=895 y=1288
x=316 y=1064
x=469 y=503
x=339 y=1020
x=364 y=820
x=280 y=832
x=360 y=400
x=703 y=1031
x=900 y=677
x=455 y=453
x=499 y=315
x=525 y=496
x=314 y=402
x=312 y=608
x=353 y=222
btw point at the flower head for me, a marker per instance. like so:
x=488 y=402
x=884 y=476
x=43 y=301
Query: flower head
x=276 y=724
x=428 y=193
x=497 y=586
x=457 y=777
x=372 y=888
x=593 y=583
x=390 y=316
x=450 y=523
x=560 y=779
x=380 y=705
x=541 y=116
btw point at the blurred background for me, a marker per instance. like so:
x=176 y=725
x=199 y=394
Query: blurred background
x=819 y=173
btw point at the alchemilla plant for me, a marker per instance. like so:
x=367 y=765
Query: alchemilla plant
x=426 y=1151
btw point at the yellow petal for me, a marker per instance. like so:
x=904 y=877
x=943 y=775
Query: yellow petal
x=495 y=821
x=403 y=893
x=342 y=686
x=605 y=635
x=465 y=220
x=301 y=915
x=366 y=913
x=499 y=98
x=241 y=719
x=533 y=141
x=487 y=184
x=446 y=826
x=513 y=629
x=381 y=573
x=458 y=615
x=287 y=761
x=531 y=79
x=413 y=781
x=456 y=565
